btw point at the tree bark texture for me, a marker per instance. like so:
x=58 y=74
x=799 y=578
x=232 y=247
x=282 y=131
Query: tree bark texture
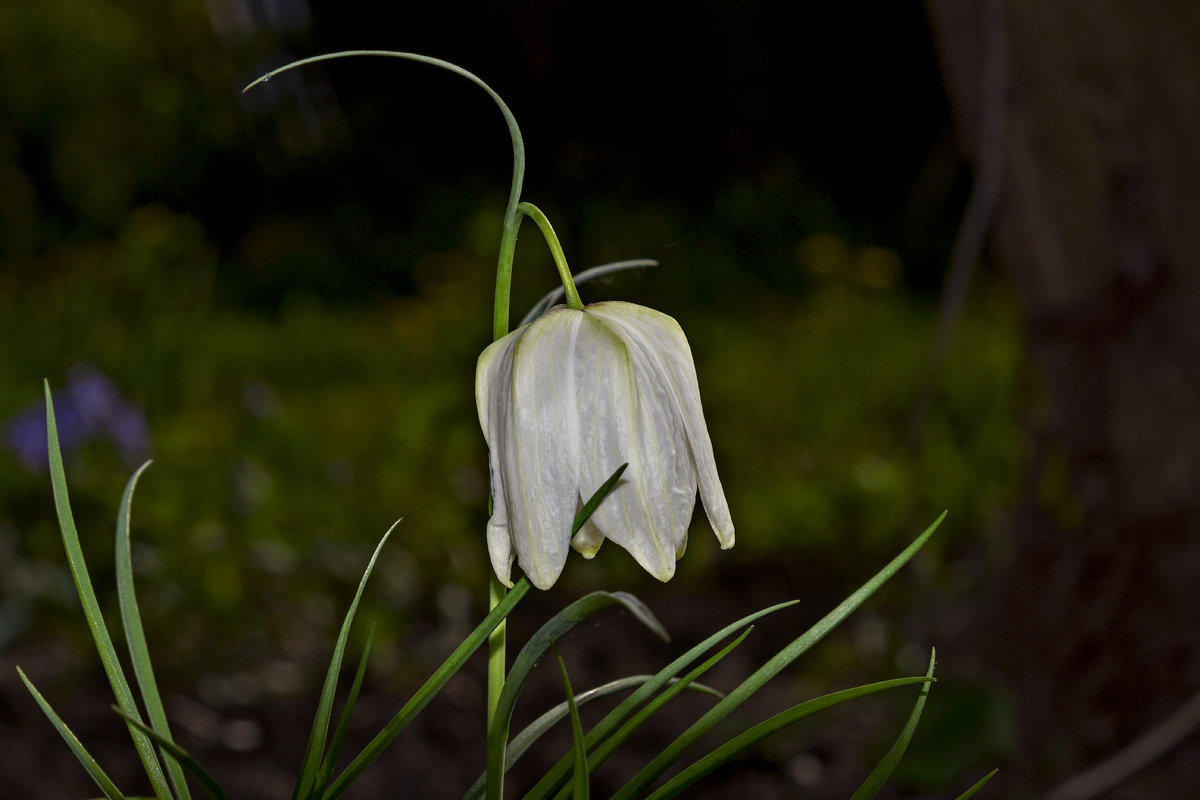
x=1095 y=622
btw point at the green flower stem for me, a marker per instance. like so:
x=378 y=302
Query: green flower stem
x=496 y=656
x=560 y=260
x=508 y=245
x=500 y=312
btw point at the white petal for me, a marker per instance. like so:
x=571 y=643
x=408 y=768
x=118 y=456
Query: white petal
x=539 y=455
x=500 y=550
x=625 y=416
x=493 y=376
x=657 y=342
x=587 y=542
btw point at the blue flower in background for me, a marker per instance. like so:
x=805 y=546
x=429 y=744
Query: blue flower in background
x=88 y=408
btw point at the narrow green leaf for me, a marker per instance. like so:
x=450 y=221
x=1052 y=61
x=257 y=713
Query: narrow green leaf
x=969 y=793
x=497 y=640
x=91 y=608
x=557 y=774
x=581 y=788
x=311 y=764
x=554 y=295
x=611 y=744
x=189 y=763
x=589 y=508
x=769 y=670
x=427 y=691
x=764 y=729
x=887 y=765
x=135 y=637
x=339 y=733
x=528 y=658
x=85 y=758
x=520 y=744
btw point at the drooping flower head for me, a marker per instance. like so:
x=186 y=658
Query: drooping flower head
x=567 y=399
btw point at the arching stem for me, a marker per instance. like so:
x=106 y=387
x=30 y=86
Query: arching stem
x=508 y=245
x=560 y=260
x=508 y=236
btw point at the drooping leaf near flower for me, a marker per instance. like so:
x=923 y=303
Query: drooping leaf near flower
x=563 y=402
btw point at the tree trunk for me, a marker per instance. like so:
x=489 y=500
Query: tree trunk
x=1095 y=622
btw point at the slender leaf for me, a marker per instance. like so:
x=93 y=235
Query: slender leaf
x=769 y=670
x=189 y=763
x=610 y=745
x=85 y=758
x=587 y=509
x=496 y=591
x=339 y=733
x=320 y=727
x=557 y=774
x=519 y=744
x=581 y=788
x=135 y=636
x=91 y=608
x=528 y=658
x=764 y=729
x=969 y=793
x=427 y=691
x=887 y=765
x=554 y=295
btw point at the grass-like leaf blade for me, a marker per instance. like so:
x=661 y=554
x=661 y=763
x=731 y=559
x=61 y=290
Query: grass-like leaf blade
x=85 y=758
x=887 y=765
x=587 y=509
x=528 y=658
x=189 y=763
x=91 y=608
x=787 y=655
x=311 y=764
x=592 y=273
x=580 y=783
x=519 y=744
x=969 y=793
x=557 y=774
x=339 y=733
x=498 y=638
x=427 y=691
x=135 y=636
x=611 y=744
x=764 y=729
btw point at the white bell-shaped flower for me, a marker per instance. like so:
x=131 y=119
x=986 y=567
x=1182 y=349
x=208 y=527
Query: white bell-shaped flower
x=567 y=399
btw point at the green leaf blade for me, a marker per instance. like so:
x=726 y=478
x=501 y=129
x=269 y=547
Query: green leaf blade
x=771 y=668
x=581 y=789
x=85 y=758
x=314 y=751
x=887 y=765
x=969 y=793
x=762 y=730
x=339 y=733
x=610 y=745
x=135 y=636
x=185 y=758
x=428 y=690
x=528 y=658
x=557 y=774
x=91 y=607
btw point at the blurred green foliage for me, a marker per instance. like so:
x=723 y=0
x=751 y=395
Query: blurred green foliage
x=304 y=356
x=285 y=444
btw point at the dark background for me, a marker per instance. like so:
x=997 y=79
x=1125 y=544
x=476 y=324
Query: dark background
x=284 y=292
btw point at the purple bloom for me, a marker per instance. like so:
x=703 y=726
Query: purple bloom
x=89 y=407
